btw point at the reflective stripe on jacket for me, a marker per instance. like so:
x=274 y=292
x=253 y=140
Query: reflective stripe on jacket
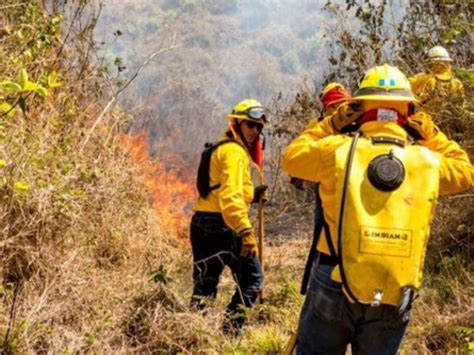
x=230 y=168
x=311 y=157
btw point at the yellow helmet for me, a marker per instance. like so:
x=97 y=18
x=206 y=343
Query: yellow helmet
x=250 y=109
x=438 y=53
x=385 y=83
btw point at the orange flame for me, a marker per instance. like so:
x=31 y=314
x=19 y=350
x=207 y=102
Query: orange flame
x=172 y=191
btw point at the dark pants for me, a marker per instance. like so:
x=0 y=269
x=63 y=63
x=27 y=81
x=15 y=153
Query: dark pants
x=214 y=246
x=329 y=322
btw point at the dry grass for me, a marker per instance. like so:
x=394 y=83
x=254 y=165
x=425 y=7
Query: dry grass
x=87 y=267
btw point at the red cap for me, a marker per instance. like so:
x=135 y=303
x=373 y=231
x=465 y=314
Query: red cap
x=334 y=96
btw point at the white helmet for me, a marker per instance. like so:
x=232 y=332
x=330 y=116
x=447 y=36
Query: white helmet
x=438 y=53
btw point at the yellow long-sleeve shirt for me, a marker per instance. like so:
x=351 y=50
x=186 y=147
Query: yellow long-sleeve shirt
x=311 y=157
x=230 y=168
x=436 y=89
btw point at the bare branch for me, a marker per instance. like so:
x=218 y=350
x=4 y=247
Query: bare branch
x=125 y=86
x=460 y=196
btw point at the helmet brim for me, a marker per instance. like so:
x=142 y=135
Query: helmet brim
x=263 y=120
x=385 y=98
x=371 y=93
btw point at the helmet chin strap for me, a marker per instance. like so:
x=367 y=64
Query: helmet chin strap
x=241 y=134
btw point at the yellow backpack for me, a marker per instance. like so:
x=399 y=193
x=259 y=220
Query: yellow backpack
x=388 y=192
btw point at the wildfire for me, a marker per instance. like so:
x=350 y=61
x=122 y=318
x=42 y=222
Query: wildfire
x=172 y=192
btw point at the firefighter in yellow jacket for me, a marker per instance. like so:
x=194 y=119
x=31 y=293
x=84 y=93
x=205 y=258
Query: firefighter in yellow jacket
x=221 y=231
x=439 y=85
x=378 y=191
x=333 y=95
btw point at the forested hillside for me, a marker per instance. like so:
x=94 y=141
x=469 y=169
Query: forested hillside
x=104 y=109
x=225 y=51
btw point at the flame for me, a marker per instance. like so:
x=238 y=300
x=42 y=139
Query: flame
x=172 y=192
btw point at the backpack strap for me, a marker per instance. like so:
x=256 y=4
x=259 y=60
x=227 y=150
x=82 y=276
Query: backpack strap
x=318 y=227
x=203 y=176
x=340 y=259
x=330 y=244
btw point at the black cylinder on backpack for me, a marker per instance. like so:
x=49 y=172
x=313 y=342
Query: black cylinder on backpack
x=386 y=172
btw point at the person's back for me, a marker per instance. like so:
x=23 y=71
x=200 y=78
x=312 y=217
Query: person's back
x=438 y=86
x=230 y=199
x=327 y=158
x=378 y=191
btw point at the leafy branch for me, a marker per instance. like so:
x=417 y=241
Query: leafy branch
x=25 y=88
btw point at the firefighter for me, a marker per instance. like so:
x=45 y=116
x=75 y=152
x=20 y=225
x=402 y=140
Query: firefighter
x=439 y=85
x=332 y=96
x=378 y=190
x=221 y=231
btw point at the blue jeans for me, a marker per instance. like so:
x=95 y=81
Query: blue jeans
x=329 y=322
x=215 y=246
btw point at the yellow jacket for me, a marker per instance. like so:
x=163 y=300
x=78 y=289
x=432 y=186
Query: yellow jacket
x=433 y=88
x=311 y=157
x=315 y=120
x=230 y=167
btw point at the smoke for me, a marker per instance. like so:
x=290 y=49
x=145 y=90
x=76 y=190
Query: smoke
x=229 y=50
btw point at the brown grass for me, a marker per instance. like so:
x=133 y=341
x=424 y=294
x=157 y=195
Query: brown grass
x=87 y=267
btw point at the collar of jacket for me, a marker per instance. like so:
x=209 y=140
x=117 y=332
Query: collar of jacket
x=385 y=129
x=231 y=134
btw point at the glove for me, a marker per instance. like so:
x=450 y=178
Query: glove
x=260 y=193
x=249 y=245
x=421 y=127
x=345 y=115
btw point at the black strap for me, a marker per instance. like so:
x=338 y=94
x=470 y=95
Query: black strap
x=318 y=227
x=327 y=232
x=211 y=188
x=203 y=178
x=413 y=133
x=241 y=135
x=347 y=174
x=329 y=242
